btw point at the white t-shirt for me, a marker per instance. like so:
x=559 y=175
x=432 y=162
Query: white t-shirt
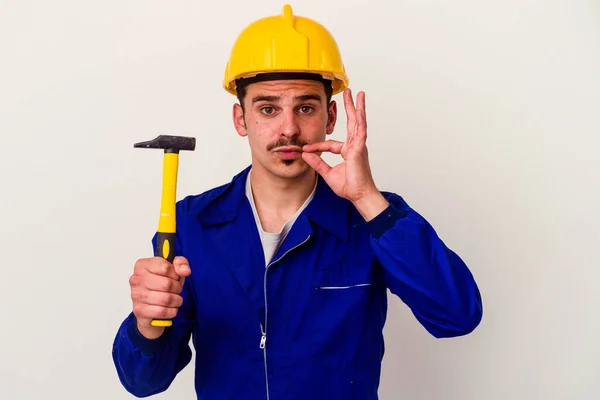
x=272 y=240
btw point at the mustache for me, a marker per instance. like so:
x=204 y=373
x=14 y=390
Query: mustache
x=286 y=142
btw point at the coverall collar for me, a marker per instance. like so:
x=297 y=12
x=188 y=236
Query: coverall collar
x=327 y=210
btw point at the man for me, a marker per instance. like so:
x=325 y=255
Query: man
x=282 y=274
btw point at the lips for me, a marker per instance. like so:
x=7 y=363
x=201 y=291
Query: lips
x=288 y=149
x=289 y=152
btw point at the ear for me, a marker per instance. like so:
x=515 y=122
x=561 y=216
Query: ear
x=331 y=117
x=238 y=120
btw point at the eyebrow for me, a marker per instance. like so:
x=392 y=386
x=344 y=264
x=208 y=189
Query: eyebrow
x=274 y=99
x=270 y=99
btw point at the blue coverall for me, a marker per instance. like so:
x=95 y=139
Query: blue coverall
x=308 y=326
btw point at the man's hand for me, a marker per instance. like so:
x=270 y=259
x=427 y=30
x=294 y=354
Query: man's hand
x=156 y=285
x=351 y=179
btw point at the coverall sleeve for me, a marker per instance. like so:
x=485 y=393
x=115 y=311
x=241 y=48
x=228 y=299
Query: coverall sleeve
x=430 y=278
x=148 y=366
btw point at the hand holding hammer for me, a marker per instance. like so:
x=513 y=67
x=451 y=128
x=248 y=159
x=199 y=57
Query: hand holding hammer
x=157 y=282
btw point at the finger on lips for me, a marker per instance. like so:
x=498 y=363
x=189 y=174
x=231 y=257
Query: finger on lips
x=333 y=146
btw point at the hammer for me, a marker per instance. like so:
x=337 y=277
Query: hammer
x=165 y=246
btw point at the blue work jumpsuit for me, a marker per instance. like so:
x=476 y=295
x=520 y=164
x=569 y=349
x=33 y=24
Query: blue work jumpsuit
x=307 y=326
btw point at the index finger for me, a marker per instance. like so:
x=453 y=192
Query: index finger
x=333 y=146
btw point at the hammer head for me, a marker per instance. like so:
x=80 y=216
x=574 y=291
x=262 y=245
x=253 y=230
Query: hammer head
x=169 y=143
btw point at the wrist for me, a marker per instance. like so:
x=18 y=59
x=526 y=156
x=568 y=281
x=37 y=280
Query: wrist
x=148 y=339
x=150 y=332
x=371 y=205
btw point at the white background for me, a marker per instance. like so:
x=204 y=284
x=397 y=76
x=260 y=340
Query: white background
x=484 y=115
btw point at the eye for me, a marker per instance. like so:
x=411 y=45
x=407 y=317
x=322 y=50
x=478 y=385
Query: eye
x=268 y=110
x=306 y=109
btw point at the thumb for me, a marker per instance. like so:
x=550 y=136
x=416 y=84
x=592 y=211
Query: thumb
x=317 y=163
x=182 y=266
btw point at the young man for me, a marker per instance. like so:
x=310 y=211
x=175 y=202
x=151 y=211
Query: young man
x=282 y=274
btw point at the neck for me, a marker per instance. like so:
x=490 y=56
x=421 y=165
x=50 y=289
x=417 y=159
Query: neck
x=284 y=196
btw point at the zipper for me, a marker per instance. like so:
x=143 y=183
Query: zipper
x=263 y=331
x=263 y=342
x=263 y=338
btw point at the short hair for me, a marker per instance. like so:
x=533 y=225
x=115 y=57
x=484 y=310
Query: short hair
x=242 y=83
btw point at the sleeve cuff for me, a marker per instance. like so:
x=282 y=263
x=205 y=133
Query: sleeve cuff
x=385 y=220
x=147 y=346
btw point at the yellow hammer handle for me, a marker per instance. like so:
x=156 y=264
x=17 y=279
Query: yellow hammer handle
x=165 y=246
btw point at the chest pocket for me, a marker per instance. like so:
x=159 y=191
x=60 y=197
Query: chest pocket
x=347 y=314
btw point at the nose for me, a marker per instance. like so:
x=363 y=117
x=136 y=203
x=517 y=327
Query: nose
x=289 y=125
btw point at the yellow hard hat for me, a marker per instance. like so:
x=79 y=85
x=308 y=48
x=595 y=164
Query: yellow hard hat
x=285 y=43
